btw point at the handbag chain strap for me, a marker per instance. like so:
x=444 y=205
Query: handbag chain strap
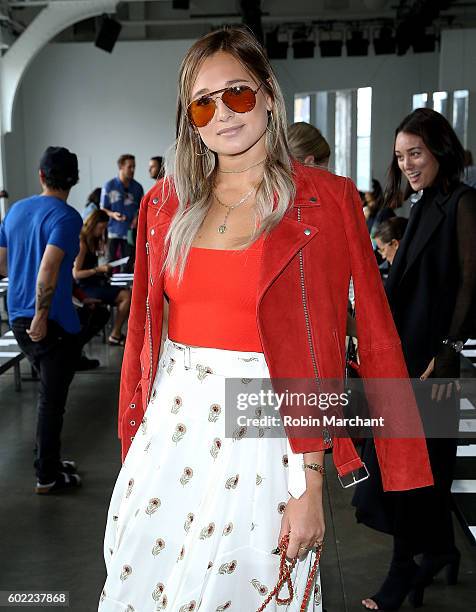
x=285 y=571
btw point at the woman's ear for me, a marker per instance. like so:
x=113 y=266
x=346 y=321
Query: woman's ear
x=268 y=97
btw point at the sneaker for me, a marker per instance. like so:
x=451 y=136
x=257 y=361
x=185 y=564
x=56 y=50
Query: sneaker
x=68 y=466
x=64 y=482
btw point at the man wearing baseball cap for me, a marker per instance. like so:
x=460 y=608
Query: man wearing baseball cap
x=39 y=241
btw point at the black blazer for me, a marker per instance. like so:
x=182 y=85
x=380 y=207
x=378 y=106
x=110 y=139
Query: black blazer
x=422 y=289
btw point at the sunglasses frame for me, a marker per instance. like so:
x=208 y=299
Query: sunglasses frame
x=216 y=95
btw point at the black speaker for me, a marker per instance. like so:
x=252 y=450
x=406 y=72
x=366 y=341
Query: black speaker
x=108 y=34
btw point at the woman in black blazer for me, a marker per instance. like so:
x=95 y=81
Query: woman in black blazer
x=431 y=288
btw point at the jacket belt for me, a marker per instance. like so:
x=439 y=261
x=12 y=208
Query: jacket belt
x=347 y=462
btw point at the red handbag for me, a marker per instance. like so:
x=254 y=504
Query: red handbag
x=285 y=571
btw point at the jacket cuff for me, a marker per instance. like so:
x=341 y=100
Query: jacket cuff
x=296 y=475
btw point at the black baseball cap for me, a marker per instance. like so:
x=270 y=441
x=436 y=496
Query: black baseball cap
x=60 y=167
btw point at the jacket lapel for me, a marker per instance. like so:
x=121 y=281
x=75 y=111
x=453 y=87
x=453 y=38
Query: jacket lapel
x=279 y=247
x=432 y=219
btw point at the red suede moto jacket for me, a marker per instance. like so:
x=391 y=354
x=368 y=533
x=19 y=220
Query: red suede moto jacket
x=307 y=262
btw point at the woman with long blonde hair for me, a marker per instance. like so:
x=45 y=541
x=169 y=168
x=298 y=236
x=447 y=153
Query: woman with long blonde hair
x=239 y=244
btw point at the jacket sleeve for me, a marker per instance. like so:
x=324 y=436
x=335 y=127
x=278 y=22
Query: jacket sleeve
x=375 y=327
x=404 y=462
x=131 y=372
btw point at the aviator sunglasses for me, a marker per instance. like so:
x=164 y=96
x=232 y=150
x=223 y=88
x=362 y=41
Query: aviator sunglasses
x=238 y=98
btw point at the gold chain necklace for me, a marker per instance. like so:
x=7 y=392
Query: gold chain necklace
x=222 y=228
x=244 y=169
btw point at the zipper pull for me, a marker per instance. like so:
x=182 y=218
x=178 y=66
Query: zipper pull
x=147 y=248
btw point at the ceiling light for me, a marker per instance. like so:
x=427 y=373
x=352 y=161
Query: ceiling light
x=357 y=45
x=385 y=43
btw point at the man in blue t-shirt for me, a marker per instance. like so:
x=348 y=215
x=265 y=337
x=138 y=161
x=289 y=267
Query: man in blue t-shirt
x=39 y=241
x=120 y=198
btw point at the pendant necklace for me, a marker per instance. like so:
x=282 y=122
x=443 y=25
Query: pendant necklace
x=222 y=228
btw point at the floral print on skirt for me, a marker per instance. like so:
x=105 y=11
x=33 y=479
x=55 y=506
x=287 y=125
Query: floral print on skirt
x=194 y=515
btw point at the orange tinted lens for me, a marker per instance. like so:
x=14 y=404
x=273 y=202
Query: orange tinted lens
x=201 y=111
x=239 y=99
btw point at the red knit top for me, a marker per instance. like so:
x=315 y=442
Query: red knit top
x=215 y=304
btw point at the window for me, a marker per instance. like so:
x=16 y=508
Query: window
x=302 y=108
x=364 y=132
x=343 y=133
x=452 y=105
x=460 y=114
x=440 y=102
x=420 y=100
x=344 y=118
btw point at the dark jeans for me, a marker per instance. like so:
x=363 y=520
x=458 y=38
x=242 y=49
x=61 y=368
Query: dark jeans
x=92 y=321
x=54 y=358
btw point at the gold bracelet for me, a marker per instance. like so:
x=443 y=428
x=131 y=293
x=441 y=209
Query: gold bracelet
x=314 y=466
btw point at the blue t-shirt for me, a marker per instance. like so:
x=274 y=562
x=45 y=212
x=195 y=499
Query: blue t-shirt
x=117 y=197
x=29 y=226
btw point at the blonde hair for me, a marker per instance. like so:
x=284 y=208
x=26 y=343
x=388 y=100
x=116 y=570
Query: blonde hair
x=193 y=175
x=305 y=139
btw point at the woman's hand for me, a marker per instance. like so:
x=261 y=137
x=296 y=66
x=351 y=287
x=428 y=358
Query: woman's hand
x=427 y=373
x=439 y=391
x=303 y=519
x=104 y=269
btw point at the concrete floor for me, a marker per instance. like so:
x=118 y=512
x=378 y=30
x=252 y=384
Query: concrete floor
x=55 y=542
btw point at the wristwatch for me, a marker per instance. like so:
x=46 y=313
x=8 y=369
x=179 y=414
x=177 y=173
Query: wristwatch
x=456 y=345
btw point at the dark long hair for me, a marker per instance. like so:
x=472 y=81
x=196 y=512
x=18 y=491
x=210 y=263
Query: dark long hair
x=441 y=140
x=392 y=229
x=377 y=194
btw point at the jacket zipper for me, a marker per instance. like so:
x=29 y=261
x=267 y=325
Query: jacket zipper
x=149 y=330
x=325 y=432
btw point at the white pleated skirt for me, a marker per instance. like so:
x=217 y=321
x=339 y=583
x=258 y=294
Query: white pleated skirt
x=194 y=514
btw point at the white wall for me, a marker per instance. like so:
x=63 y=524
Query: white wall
x=99 y=106
x=102 y=105
x=15 y=164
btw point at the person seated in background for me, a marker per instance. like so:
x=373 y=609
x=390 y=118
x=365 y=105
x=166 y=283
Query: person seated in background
x=375 y=210
x=93 y=203
x=93 y=279
x=93 y=316
x=388 y=237
x=308 y=145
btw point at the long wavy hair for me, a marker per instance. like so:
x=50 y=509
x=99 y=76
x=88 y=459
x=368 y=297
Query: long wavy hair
x=193 y=175
x=87 y=231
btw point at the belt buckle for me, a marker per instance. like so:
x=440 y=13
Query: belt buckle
x=354 y=479
x=187 y=358
x=187 y=355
